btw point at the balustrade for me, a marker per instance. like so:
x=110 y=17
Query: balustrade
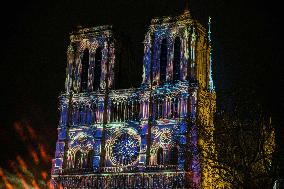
x=126 y=180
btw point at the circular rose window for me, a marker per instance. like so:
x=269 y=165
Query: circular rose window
x=125 y=149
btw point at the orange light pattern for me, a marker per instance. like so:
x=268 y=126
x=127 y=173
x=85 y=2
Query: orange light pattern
x=19 y=174
x=31 y=169
x=44 y=154
x=44 y=175
x=32 y=132
x=50 y=185
x=34 y=155
x=22 y=163
x=3 y=177
x=35 y=184
x=19 y=130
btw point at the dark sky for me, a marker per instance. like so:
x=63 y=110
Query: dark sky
x=247 y=42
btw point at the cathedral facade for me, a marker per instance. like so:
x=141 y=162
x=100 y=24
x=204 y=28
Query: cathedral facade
x=145 y=137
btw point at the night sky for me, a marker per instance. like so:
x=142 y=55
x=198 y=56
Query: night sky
x=247 y=57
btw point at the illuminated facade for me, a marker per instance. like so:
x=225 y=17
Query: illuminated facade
x=145 y=137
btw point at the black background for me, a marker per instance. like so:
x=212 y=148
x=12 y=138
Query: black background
x=247 y=55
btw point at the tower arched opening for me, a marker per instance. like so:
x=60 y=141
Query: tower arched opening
x=85 y=70
x=97 y=69
x=163 y=61
x=176 y=62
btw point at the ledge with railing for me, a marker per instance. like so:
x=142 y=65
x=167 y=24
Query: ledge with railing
x=125 y=169
x=133 y=180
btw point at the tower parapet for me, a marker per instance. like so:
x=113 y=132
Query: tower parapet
x=176 y=49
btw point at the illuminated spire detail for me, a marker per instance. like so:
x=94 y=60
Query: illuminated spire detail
x=186 y=5
x=211 y=85
x=186 y=8
x=209 y=30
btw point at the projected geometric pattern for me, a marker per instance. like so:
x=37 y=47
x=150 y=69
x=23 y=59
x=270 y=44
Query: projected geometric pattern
x=125 y=149
x=143 y=137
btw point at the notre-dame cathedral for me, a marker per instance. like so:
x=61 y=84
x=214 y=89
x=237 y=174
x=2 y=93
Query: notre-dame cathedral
x=111 y=136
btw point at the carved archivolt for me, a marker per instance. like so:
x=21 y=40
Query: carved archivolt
x=80 y=150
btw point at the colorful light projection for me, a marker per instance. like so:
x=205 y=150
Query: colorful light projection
x=163 y=109
x=27 y=170
x=125 y=149
x=99 y=44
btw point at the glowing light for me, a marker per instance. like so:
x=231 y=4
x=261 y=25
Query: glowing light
x=19 y=130
x=3 y=177
x=32 y=133
x=34 y=184
x=19 y=175
x=24 y=173
x=125 y=149
x=150 y=129
x=43 y=153
x=44 y=175
x=34 y=155
x=22 y=163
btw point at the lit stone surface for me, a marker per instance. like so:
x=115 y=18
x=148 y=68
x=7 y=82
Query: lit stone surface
x=147 y=137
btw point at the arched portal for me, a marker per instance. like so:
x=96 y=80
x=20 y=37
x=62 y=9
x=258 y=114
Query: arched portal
x=160 y=158
x=174 y=156
x=90 y=159
x=78 y=159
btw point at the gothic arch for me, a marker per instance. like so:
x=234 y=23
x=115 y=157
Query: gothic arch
x=70 y=67
x=78 y=159
x=90 y=159
x=75 y=113
x=177 y=59
x=97 y=69
x=163 y=60
x=82 y=114
x=85 y=70
x=84 y=44
x=160 y=156
x=174 y=156
x=93 y=46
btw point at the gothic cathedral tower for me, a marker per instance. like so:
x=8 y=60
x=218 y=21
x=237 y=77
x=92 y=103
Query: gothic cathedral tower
x=146 y=137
